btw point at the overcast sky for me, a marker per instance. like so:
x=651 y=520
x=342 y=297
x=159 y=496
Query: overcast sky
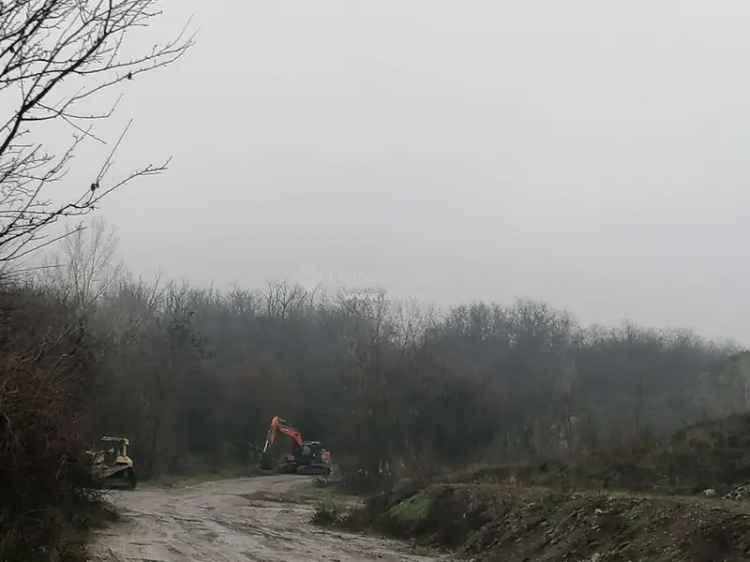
x=591 y=154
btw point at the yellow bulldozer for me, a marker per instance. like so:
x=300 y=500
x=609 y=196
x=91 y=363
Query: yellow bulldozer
x=110 y=464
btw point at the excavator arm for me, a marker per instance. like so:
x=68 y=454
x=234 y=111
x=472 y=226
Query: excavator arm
x=280 y=426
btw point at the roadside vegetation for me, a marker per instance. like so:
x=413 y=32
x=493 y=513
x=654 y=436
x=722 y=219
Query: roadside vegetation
x=684 y=498
x=517 y=523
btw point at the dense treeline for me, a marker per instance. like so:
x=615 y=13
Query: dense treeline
x=194 y=375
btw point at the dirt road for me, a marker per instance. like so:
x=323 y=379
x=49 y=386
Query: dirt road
x=247 y=519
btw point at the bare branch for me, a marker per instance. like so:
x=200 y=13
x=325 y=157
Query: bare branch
x=72 y=50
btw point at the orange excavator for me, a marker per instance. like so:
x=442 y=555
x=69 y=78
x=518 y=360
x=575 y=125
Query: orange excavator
x=307 y=457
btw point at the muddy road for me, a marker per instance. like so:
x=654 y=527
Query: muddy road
x=246 y=519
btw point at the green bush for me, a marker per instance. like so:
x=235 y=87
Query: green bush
x=327 y=513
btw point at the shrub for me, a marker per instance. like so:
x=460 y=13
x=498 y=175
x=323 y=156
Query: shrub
x=44 y=371
x=327 y=513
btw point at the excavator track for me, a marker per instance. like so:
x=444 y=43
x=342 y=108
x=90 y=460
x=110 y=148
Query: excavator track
x=319 y=470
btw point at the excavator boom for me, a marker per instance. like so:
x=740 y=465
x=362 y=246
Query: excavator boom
x=279 y=425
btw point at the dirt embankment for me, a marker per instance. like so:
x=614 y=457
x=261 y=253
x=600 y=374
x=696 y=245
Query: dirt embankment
x=246 y=519
x=515 y=524
x=684 y=498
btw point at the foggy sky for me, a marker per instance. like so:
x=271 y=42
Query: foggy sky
x=590 y=154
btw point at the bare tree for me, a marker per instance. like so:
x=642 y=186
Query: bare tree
x=56 y=58
x=282 y=298
x=86 y=266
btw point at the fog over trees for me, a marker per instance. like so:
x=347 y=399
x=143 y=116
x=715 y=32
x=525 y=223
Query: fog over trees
x=193 y=375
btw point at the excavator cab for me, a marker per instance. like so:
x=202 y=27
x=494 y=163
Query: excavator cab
x=309 y=458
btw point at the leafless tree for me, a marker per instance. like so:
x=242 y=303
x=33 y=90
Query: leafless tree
x=56 y=58
x=86 y=265
x=281 y=298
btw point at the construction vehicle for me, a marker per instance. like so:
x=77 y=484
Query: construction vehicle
x=307 y=457
x=111 y=465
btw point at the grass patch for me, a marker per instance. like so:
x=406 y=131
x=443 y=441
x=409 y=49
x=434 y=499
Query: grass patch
x=411 y=511
x=328 y=513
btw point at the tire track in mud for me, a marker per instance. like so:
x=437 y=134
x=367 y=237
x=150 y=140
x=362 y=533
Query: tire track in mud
x=245 y=519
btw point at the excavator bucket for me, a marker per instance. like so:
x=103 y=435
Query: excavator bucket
x=266 y=461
